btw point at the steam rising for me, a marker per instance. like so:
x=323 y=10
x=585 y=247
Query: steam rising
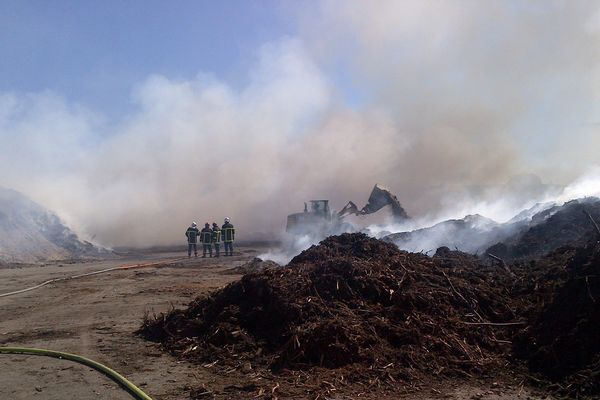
x=443 y=102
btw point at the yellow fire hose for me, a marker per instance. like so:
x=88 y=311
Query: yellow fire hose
x=136 y=392
x=133 y=390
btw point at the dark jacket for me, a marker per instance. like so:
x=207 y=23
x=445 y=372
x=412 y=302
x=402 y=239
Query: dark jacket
x=206 y=235
x=228 y=232
x=192 y=234
x=216 y=235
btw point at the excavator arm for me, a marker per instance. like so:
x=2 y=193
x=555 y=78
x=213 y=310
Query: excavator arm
x=318 y=216
x=378 y=199
x=349 y=208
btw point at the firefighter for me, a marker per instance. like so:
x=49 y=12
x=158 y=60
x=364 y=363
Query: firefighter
x=206 y=236
x=216 y=238
x=192 y=238
x=228 y=236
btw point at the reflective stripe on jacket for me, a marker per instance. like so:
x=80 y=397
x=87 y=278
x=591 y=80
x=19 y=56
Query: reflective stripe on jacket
x=206 y=235
x=216 y=235
x=228 y=233
x=192 y=234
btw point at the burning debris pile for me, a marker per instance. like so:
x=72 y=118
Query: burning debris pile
x=529 y=235
x=352 y=300
x=353 y=303
x=252 y=266
x=569 y=224
x=29 y=233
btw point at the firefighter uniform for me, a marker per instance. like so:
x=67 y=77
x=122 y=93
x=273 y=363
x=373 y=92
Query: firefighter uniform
x=228 y=234
x=216 y=238
x=206 y=237
x=192 y=238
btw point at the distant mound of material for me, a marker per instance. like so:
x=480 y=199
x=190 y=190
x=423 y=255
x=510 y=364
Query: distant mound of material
x=551 y=229
x=29 y=233
x=530 y=234
x=472 y=234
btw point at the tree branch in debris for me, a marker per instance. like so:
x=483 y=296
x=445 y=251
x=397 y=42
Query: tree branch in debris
x=502 y=263
x=592 y=219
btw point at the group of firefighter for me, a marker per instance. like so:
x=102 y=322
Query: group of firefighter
x=210 y=237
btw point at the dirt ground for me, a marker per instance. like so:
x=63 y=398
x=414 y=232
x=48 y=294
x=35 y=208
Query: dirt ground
x=97 y=316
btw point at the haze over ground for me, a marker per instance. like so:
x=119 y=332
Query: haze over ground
x=131 y=120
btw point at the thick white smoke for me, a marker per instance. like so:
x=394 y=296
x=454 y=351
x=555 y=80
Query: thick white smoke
x=442 y=102
x=194 y=150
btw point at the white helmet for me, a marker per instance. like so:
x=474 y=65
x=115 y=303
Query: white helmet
x=194 y=224
x=226 y=219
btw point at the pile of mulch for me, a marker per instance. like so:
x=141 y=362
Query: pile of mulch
x=563 y=342
x=353 y=302
x=253 y=266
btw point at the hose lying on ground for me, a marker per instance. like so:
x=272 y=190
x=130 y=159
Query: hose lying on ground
x=66 y=278
x=136 y=392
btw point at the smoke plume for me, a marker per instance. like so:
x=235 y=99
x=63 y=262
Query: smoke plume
x=449 y=104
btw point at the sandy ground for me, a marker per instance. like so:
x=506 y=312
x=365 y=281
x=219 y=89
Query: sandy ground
x=96 y=317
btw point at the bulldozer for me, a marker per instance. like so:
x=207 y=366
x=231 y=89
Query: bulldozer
x=318 y=217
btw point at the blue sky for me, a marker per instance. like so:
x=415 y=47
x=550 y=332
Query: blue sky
x=94 y=52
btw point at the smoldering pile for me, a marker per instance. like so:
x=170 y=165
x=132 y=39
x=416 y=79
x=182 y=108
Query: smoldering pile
x=252 y=266
x=353 y=300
